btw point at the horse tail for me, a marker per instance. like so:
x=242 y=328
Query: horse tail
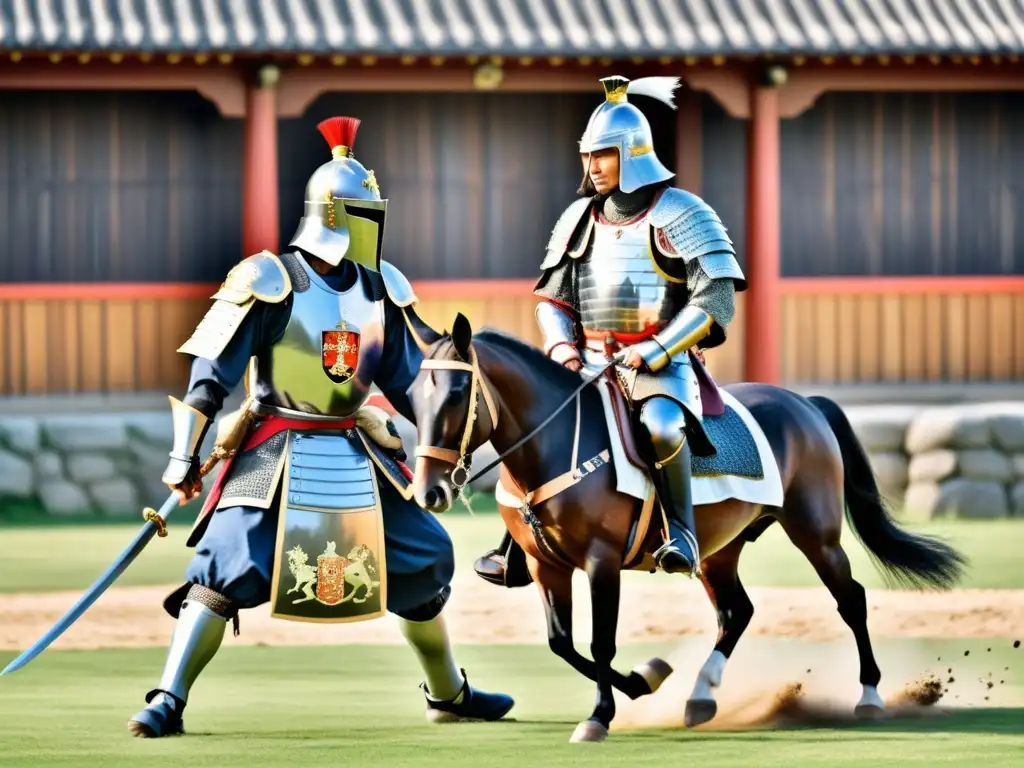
x=905 y=559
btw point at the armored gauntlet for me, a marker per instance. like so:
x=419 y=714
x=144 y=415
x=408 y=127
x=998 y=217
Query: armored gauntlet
x=684 y=331
x=190 y=427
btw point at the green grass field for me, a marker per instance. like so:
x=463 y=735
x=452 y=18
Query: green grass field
x=42 y=559
x=358 y=706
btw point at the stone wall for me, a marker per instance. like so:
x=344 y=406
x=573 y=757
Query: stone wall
x=942 y=461
x=106 y=465
x=947 y=461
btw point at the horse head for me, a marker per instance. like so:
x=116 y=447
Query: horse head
x=455 y=415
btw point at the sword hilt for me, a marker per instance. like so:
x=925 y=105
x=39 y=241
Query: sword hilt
x=150 y=515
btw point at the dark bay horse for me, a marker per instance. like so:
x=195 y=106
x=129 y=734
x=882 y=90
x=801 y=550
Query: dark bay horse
x=494 y=387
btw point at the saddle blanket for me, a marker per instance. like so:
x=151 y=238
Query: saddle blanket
x=744 y=467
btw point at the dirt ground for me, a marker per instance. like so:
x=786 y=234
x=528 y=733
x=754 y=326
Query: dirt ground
x=481 y=613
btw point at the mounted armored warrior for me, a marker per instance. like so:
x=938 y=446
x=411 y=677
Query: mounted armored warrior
x=312 y=511
x=642 y=270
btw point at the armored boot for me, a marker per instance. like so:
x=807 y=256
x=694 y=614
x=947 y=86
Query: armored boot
x=504 y=566
x=662 y=424
x=197 y=636
x=680 y=553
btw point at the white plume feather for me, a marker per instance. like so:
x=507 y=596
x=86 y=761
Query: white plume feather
x=660 y=88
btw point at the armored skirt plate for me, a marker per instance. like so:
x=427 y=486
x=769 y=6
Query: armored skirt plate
x=329 y=563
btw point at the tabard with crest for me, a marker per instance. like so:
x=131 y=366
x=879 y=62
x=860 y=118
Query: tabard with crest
x=330 y=564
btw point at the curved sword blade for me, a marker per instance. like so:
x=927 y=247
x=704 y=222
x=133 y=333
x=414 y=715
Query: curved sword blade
x=98 y=588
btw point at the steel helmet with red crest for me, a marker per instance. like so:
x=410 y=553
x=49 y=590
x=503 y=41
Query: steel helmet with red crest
x=344 y=213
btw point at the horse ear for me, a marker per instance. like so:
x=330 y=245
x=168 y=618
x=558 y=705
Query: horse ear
x=462 y=335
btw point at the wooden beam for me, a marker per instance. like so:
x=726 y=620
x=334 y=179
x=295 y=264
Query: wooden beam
x=762 y=337
x=728 y=87
x=224 y=86
x=928 y=285
x=804 y=86
x=485 y=289
x=301 y=87
x=426 y=290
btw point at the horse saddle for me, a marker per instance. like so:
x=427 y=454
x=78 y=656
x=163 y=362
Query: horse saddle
x=709 y=395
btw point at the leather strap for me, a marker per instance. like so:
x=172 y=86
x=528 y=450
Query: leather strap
x=447 y=455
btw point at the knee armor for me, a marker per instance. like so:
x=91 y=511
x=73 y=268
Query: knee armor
x=663 y=427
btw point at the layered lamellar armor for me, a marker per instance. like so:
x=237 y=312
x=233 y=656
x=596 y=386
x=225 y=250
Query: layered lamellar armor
x=662 y=282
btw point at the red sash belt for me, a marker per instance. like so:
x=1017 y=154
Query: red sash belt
x=622 y=339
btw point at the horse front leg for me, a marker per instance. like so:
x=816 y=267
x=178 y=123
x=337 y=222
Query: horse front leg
x=605 y=582
x=555 y=585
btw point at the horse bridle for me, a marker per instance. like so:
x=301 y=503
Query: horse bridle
x=461 y=460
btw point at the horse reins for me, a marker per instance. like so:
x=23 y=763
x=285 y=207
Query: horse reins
x=462 y=459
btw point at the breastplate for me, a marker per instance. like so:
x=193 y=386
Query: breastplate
x=327 y=358
x=619 y=288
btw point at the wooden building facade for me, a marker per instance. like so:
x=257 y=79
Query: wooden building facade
x=872 y=187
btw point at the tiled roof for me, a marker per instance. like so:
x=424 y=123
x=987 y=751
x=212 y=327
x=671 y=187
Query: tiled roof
x=614 y=28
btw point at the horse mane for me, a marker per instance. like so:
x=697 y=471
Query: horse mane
x=534 y=359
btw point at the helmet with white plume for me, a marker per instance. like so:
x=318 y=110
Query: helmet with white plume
x=617 y=123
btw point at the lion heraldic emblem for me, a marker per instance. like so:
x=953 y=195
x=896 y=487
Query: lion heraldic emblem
x=340 y=353
x=331 y=575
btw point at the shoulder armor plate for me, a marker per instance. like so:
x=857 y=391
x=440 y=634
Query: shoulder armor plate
x=686 y=227
x=562 y=235
x=261 y=276
x=397 y=285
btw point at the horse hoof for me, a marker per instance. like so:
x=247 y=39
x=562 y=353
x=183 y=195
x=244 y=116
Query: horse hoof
x=700 y=711
x=654 y=673
x=589 y=730
x=869 y=712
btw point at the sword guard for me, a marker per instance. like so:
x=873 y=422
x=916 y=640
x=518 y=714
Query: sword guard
x=150 y=515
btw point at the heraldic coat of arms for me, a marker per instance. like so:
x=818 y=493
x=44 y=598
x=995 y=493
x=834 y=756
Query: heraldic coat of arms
x=332 y=574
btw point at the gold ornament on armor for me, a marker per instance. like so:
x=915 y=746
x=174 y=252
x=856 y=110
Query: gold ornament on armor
x=370 y=182
x=329 y=197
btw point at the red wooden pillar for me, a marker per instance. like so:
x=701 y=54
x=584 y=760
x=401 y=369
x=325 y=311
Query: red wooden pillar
x=260 y=218
x=763 y=295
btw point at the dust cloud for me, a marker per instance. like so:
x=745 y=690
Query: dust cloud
x=779 y=685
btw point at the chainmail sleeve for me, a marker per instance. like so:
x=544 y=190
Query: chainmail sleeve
x=716 y=296
x=558 y=285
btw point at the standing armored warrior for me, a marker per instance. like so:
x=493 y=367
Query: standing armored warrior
x=311 y=330
x=641 y=269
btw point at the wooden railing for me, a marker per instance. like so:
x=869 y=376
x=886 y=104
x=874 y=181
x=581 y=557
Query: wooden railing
x=122 y=337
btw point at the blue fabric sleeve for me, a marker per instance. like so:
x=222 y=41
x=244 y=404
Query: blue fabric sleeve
x=213 y=380
x=400 y=363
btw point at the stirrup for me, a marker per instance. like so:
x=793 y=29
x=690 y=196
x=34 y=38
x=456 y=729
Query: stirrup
x=671 y=546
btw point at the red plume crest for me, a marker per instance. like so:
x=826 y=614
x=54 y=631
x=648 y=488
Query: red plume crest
x=339 y=131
